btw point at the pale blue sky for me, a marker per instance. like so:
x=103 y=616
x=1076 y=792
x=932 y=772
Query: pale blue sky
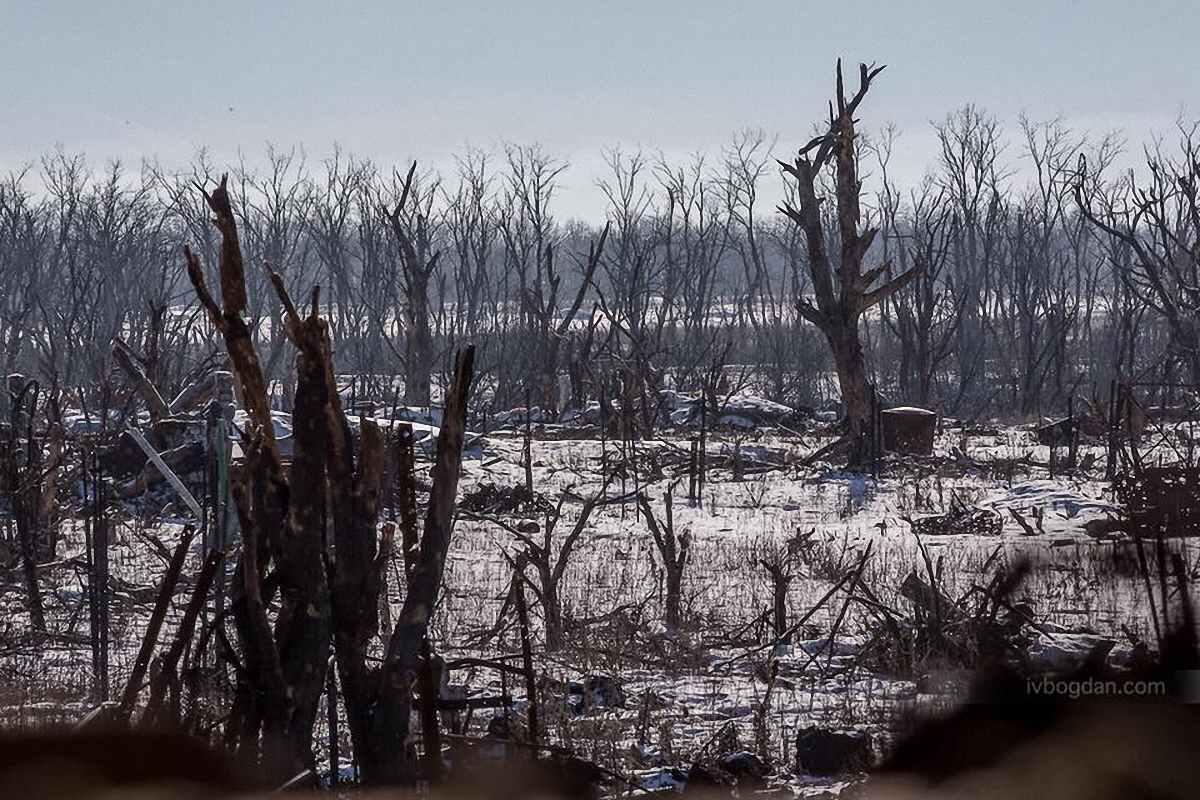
x=401 y=80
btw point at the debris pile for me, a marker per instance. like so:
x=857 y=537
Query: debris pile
x=960 y=520
x=517 y=499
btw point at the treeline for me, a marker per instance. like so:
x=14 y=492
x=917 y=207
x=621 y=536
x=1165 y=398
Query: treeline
x=1044 y=271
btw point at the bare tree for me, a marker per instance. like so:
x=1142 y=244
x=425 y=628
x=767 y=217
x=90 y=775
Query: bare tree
x=472 y=231
x=412 y=229
x=925 y=319
x=743 y=165
x=972 y=175
x=530 y=235
x=674 y=550
x=842 y=288
x=384 y=747
x=1158 y=220
x=550 y=567
x=284 y=662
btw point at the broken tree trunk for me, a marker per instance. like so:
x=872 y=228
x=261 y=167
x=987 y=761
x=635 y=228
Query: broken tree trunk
x=382 y=698
x=412 y=238
x=194 y=394
x=842 y=288
x=53 y=461
x=166 y=679
x=285 y=644
x=406 y=484
x=162 y=604
x=526 y=657
x=150 y=396
x=781 y=580
x=23 y=482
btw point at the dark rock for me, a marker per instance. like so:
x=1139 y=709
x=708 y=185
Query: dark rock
x=959 y=521
x=745 y=768
x=578 y=777
x=489 y=498
x=703 y=782
x=825 y=752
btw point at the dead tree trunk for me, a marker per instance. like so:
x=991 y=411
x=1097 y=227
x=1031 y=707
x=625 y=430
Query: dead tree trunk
x=285 y=657
x=841 y=287
x=542 y=305
x=674 y=551
x=410 y=535
x=412 y=237
x=379 y=700
x=51 y=473
x=23 y=482
x=155 y=404
x=778 y=569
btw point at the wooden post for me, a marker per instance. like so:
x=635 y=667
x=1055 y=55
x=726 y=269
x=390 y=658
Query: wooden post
x=603 y=431
x=1113 y=430
x=1073 y=453
x=527 y=658
x=703 y=444
x=693 y=469
x=527 y=449
x=221 y=522
x=430 y=693
x=96 y=538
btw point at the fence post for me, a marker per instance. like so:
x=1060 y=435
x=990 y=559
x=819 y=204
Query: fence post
x=219 y=533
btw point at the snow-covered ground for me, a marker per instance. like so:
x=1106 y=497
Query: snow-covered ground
x=701 y=687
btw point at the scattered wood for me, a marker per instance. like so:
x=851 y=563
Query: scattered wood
x=142 y=662
x=167 y=677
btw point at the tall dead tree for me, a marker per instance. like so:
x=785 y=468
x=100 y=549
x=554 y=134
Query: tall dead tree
x=412 y=237
x=21 y=481
x=285 y=651
x=541 y=303
x=1157 y=220
x=842 y=288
